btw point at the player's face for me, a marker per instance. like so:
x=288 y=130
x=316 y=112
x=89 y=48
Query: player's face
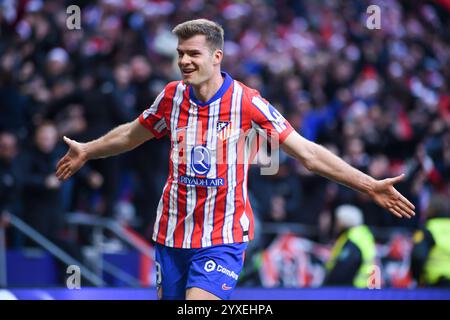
x=196 y=60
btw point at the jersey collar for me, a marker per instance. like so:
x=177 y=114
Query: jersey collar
x=225 y=85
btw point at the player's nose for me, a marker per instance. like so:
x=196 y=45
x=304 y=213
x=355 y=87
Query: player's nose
x=184 y=61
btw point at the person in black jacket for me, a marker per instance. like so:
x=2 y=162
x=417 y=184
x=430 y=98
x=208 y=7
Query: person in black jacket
x=10 y=183
x=43 y=207
x=42 y=198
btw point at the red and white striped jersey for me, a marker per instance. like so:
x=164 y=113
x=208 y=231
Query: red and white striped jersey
x=204 y=200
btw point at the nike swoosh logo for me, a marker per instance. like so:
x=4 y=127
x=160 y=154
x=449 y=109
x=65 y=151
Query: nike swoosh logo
x=181 y=128
x=225 y=287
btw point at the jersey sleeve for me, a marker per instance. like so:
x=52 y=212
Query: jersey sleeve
x=153 y=118
x=267 y=120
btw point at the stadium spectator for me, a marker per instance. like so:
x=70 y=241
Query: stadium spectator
x=10 y=183
x=42 y=198
x=353 y=256
x=430 y=258
x=42 y=194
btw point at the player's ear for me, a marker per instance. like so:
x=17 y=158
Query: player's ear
x=218 y=56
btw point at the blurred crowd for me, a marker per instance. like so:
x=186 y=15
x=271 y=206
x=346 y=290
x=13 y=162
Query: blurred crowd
x=378 y=98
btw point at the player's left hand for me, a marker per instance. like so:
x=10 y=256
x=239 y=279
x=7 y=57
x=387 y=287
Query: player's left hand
x=385 y=195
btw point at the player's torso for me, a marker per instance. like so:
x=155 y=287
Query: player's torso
x=204 y=201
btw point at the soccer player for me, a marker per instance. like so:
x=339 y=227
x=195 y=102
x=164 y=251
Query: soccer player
x=204 y=219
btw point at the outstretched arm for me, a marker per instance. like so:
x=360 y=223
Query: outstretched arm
x=121 y=139
x=321 y=161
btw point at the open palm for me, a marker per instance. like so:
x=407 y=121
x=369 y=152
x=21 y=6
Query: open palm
x=385 y=195
x=72 y=161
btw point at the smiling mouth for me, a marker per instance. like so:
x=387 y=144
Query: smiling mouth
x=188 y=72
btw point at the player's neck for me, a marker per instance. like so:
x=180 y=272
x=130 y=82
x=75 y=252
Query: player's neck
x=205 y=91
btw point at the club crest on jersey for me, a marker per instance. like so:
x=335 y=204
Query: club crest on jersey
x=200 y=160
x=224 y=129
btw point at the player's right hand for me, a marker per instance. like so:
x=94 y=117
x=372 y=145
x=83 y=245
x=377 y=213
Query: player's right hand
x=73 y=160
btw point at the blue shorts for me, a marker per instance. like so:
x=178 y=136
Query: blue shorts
x=214 y=269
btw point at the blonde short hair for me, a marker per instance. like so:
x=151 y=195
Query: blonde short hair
x=210 y=29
